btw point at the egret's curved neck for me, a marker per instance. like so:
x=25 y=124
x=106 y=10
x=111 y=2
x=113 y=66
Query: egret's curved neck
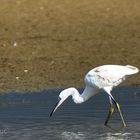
x=87 y=93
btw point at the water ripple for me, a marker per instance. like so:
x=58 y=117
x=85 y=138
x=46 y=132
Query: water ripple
x=26 y=116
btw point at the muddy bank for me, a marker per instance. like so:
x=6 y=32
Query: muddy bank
x=46 y=44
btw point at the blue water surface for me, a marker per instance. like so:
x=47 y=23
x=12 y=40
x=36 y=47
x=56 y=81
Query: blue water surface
x=25 y=116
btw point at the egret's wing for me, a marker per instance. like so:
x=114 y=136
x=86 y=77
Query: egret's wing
x=118 y=69
x=109 y=75
x=106 y=77
x=111 y=78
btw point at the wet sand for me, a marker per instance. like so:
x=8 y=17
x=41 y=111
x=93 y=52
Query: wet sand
x=47 y=44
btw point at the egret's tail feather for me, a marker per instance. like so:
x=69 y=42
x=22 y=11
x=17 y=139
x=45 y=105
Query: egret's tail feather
x=132 y=69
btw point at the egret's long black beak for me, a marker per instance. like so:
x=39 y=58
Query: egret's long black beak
x=60 y=101
x=55 y=107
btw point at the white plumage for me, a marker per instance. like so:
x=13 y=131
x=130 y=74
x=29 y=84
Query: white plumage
x=109 y=75
x=100 y=78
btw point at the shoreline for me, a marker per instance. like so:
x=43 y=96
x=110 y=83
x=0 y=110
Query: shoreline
x=45 y=90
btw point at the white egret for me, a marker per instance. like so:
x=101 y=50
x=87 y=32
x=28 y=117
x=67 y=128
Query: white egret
x=100 y=78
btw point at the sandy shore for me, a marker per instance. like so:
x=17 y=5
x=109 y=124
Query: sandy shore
x=50 y=43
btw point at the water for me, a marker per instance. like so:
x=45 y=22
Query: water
x=26 y=117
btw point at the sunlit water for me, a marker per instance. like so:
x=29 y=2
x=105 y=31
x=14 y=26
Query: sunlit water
x=26 y=117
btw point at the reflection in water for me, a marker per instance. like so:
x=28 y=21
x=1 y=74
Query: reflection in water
x=26 y=116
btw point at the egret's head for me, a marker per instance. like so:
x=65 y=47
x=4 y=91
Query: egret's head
x=62 y=97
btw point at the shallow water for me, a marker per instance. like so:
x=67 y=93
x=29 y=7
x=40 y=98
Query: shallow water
x=26 y=116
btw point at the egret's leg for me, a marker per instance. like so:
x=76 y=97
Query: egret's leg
x=108 y=90
x=118 y=108
x=110 y=112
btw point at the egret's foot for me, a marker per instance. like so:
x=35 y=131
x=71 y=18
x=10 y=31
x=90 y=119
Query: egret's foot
x=124 y=125
x=110 y=127
x=110 y=112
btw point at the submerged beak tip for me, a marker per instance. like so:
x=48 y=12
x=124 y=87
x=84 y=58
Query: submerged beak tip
x=56 y=106
x=51 y=115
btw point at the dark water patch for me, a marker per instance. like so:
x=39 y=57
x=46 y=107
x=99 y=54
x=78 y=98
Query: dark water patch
x=26 y=116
